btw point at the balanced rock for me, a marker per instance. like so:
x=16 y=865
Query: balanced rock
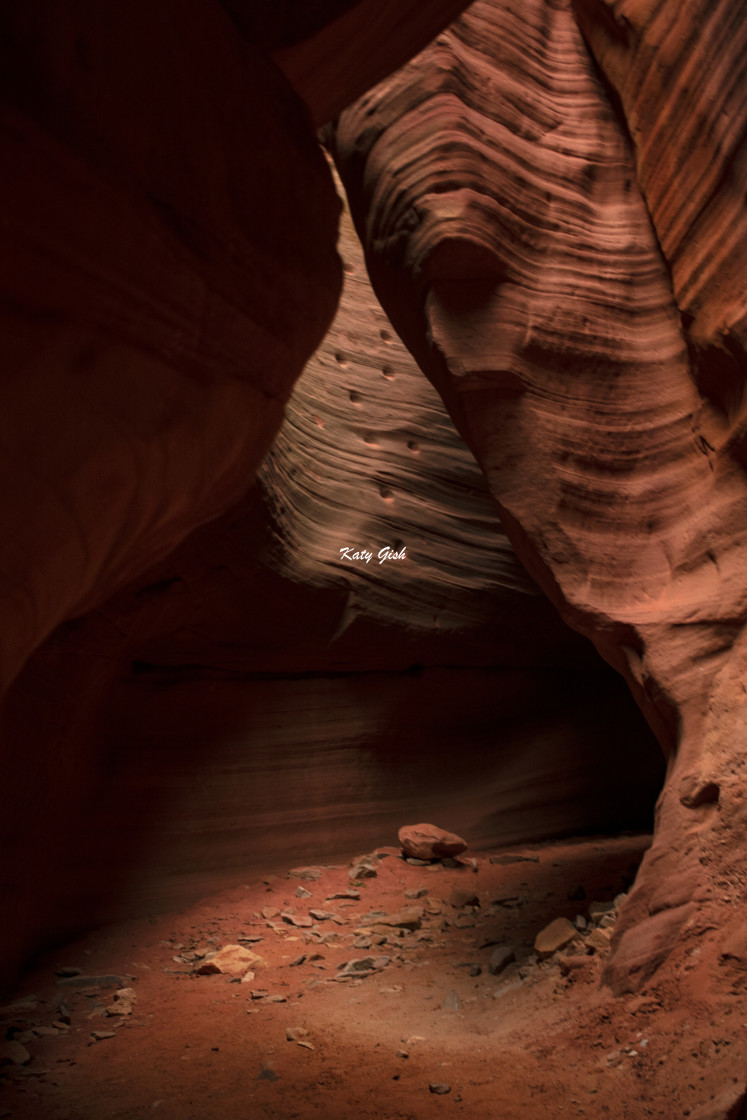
x=553 y=937
x=427 y=841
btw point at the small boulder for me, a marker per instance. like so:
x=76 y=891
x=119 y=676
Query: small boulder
x=553 y=937
x=427 y=841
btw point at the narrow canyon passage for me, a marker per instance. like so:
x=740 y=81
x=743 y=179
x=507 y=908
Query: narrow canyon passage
x=312 y=527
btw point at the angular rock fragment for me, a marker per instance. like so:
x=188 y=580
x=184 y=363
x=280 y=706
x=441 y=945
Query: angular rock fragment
x=232 y=960
x=599 y=939
x=428 y=841
x=555 y=936
x=301 y=920
x=598 y=910
x=364 y=868
x=409 y=918
x=363 y=966
x=439 y=1087
x=123 y=1003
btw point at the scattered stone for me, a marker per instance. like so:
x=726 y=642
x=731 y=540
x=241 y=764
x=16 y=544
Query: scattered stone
x=303 y=921
x=13 y=1053
x=475 y=970
x=598 y=909
x=513 y=857
x=501 y=957
x=294 y=1034
x=410 y=918
x=459 y=898
x=353 y=895
x=323 y=916
x=417 y=862
x=580 y=922
x=599 y=939
x=555 y=936
x=301 y=892
x=99 y=1036
x=364 y=868
x=123 y=1002
x=402 y=1053
x=362 y=966
x=427 y=842
x=416 y=892
x=298 y=960
x=451 y=1002
x=68 y=970
x=439 y=1087
x=259 y=993
x=267 y=1073
x=231 y=960
x=270 y=912
x=307 y=873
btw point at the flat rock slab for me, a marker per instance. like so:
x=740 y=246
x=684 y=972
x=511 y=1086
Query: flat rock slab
x=427 y=841
x=553 y=937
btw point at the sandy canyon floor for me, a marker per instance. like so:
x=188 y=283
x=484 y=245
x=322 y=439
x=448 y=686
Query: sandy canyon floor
x=389 y=995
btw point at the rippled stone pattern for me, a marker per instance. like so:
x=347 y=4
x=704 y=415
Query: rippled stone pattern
x=680 y=72
x=497 y=196
x=368 y=458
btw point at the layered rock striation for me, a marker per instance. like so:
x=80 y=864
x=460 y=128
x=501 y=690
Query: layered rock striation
x=507 y=234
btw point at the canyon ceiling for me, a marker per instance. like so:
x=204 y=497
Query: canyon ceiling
x=551 y=201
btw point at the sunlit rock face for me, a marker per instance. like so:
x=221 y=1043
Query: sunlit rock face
x=527 y=252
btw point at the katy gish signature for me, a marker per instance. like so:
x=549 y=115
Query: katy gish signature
x=364 y=556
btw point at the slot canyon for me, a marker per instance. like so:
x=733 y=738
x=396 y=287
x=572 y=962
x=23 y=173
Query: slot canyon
x=374 y=452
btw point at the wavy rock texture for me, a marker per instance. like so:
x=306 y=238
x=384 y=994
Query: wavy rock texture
x=507 y=236
x=680 y=73
x=254 y=698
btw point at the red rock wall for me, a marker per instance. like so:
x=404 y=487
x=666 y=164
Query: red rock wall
x=498 y=197
x=561 y=246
